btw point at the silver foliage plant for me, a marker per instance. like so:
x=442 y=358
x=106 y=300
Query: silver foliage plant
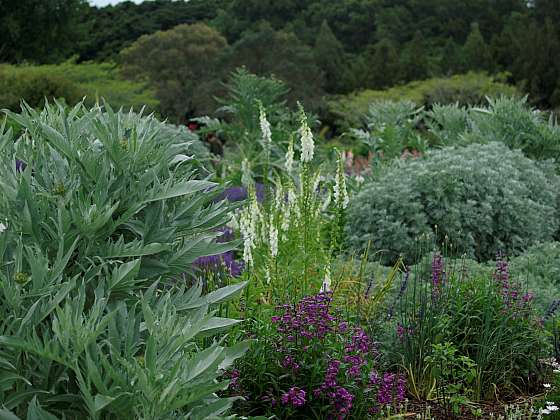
x=482 y=198
x=101 y=213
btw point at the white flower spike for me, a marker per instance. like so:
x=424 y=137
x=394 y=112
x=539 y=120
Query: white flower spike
x=306 y=136
x=265 y=127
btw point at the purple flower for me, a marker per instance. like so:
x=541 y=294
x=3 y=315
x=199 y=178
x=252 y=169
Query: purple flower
x=438 y=274
x=404 y=285
x=528 y=297
x=502 y=278
x=20 y=165
x=309 y=319
x=215 y=262
x=294 y=397
x=374 y=378
x=240 y=193
x=226 y=260
x=400 y=331
x=392 y=388
x=289 y=363
x=233 y=376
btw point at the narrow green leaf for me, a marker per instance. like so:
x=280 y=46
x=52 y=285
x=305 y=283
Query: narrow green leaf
x=179 y=190
x=102 y=401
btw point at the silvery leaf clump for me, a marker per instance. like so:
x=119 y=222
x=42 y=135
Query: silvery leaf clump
x=480 y=198
x=102 y=213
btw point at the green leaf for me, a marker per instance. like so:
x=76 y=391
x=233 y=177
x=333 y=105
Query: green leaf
x=102 y=401
x=235 y=352
x=213 y=410
x=179 y=190
x=7 y=415
x=225 y=293
x=216 y=324
x=35 y=412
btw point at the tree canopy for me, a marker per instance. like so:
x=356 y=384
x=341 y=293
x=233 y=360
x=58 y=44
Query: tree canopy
x=316 y=46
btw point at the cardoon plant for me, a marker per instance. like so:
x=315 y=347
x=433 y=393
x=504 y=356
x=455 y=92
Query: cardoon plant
x=97 y=227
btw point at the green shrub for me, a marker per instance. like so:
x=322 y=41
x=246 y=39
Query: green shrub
x=391 y=129
x=539 y=269
x=96 y=320
x=515 y=123
x=72 y=82
x=472 y=88
x=484 y=198
x=504 y=119
x=33 y=87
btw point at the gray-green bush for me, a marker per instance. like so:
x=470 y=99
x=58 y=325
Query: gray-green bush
x=504 y=119
x=483 y=198
x=96 y=230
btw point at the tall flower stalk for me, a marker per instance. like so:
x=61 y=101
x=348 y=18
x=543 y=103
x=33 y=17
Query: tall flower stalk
x=284 y=246
x=341 y=201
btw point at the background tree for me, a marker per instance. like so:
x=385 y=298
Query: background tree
x=383 y=65
x=476 y=51
x=39 y=30
x=111 y=29
x=415 y=58
x=330 y=56
x=183 y=64
x=266 y=52
x=452 y=59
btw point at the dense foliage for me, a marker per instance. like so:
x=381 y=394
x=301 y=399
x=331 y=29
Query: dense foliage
x=72 y=82
x=130 y=246
x=484 y=198
x=183 y=64
x=464 y=337
x=111 y=29
x=468 y=89
x=39 y=30
x=313 y=45
x=314 y=364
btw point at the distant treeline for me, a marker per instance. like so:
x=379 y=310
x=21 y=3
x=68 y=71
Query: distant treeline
x=317 y=46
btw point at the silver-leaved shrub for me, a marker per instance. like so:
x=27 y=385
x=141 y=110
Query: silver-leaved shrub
x=480 y=198
x=101 y=212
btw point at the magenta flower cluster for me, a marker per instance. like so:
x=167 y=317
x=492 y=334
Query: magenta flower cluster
x=310 y=318
x=312 y=335
x=391 y=387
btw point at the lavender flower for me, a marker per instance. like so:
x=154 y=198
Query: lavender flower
x=294 y=397
x=438 y=274
x=391 y=389
x=402 y=290
x=20 y=165
x=502 y=278
x=226 y=260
